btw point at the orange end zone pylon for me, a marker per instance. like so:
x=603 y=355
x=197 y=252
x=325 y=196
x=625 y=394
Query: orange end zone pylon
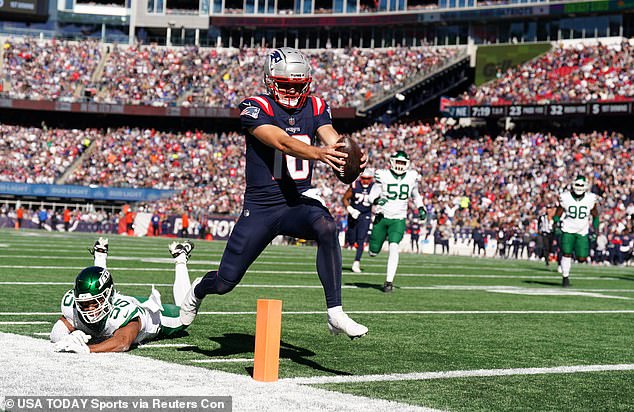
x=268 y=331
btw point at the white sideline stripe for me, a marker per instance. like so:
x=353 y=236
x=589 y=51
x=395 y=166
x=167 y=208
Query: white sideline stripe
x=392 y=312
x=227 y=360
x=42 y=333
x=165 y=345
x=38 y=322
x=459 y=374
x=295 y=272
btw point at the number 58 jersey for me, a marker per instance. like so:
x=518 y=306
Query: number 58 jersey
x=396 y=190
x=577 y=212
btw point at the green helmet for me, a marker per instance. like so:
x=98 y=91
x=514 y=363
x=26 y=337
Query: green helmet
x=399 y=162
x=94 y=290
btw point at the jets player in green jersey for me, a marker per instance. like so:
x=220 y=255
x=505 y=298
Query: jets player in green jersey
x=576 y=206
x=97 y=318
x=391 y=192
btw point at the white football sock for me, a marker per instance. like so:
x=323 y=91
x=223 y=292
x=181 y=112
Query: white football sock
x=100 y=259
x=566 y=262
x=392 y=262
x=181 y=283
x=334 y=310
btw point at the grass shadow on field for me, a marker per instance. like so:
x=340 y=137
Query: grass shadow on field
x=240 y=343
x=364 y=285
x=540 y=282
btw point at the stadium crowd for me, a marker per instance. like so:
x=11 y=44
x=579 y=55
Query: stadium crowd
x=195 y=77
x=48 y=70
x=39 y=155
x=568 y=73
x=489 y=182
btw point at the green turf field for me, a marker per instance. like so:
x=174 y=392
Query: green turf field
x=505 y=332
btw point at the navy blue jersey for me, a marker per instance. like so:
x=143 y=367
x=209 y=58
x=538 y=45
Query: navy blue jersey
x=414 y=228
x=274 y=177
x=360 y=199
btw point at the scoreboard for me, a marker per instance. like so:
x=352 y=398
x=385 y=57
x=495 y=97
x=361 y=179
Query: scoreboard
x=539 y=110
x=24 y=10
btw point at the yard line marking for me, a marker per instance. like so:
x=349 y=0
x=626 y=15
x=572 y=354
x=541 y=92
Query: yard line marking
x=295 y=272
x=392 y=312
x=165 y=345
x=418 y=376
x=24 y=323
x=493 y=289
x=226 y=360
x=42 y=333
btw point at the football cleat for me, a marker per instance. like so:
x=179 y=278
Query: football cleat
x=341 y=323
x=178 y=248
x=101 y=246
x=388 y=287
x=565 y=282
x=356 y=266
x=190 y=305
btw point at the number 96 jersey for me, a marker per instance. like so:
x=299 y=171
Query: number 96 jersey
x=577 y=212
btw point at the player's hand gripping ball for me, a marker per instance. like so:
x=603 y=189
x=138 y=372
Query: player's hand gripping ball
x=349 y=172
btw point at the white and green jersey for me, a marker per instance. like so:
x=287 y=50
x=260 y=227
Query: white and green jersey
x=576 y=217
x=124 y=309
x=396 y=190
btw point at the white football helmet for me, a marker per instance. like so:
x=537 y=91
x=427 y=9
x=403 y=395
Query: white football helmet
x=580 y=186
x=366 y=177
x=287 y=77
x=399 y=162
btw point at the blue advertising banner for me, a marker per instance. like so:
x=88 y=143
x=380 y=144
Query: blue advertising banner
x=83 y=192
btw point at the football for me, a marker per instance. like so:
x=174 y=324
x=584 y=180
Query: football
x=349 y=172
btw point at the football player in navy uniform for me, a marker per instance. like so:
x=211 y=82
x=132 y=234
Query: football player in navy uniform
x=414 y=233
x=282 y=128
x=357 y=203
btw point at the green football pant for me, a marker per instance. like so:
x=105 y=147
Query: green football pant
x=170 y=319
x=572 y=242
x=390 y=229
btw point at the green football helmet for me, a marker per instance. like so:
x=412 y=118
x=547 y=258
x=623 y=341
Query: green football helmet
x=399 y=162
x=94 y=292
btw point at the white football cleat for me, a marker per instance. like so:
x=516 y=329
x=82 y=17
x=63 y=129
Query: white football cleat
x=341 y=323
x=356 y=266
x=101 y=246
x=190 y=305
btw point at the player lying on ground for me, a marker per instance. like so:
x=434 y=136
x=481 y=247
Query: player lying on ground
x=93 y=311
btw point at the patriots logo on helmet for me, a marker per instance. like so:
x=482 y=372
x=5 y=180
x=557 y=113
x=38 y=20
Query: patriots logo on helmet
x=276 y=56
x=251 y=111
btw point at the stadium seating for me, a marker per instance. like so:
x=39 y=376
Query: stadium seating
x=196 y=77
x=573 y=72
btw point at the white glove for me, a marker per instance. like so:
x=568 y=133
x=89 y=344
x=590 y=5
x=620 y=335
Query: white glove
x=74 y=342
x=354 y=213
